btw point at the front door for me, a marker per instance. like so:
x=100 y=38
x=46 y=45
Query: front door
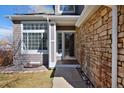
x=65 y=45
x=68 y=45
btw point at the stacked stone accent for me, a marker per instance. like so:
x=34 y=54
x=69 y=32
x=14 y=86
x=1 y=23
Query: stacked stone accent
x=121 y=46
x=93 y=44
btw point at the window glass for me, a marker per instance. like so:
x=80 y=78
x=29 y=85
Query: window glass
x=24 y=41
x=67 y=8
x=35 y=26
x=59 y=42
x=45 y=41
x=35 y=40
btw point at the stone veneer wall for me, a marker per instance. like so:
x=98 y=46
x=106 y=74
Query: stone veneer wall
x=121 y=46
x=93 y=44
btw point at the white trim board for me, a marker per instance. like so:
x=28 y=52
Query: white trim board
x=35 y=62
x=86 y=13
x=35 y=17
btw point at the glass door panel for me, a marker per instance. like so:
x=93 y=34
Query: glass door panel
x=59 y=46
x=69 y=45
x=59 y=43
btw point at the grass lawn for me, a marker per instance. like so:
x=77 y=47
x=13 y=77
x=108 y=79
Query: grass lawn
x=26 y=80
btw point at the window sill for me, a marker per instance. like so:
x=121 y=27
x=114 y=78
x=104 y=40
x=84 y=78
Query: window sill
x=34 y=52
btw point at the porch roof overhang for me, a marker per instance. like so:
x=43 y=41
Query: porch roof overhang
x=68 y=20
x=86 y=13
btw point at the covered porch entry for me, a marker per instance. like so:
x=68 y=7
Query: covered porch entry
x=62 y=42
x=66 y=49
x=65 y=45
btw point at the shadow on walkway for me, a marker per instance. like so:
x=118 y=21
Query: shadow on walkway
x=69 y=75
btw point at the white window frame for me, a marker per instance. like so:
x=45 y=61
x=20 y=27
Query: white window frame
x=32 y=31
x=61 y=11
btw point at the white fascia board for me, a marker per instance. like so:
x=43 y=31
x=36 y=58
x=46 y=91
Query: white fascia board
x=86 y=13
x=37 y=17
x=59 y=19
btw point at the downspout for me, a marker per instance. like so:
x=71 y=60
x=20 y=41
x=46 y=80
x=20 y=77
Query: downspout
x=114 y=46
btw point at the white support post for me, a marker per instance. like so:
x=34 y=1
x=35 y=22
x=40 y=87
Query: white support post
x=114 y=46
x=52 y=44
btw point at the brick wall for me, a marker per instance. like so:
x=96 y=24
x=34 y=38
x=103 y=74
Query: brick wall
x=120 y=46
x=93 y=43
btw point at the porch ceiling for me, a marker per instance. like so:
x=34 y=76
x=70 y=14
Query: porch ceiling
x=59 y=19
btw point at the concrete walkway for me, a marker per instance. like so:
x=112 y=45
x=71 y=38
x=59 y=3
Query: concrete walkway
x=67 y=77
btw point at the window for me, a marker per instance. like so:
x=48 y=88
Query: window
x=36 y=41
x=35 y=37
x=34 y=26
x=67 y=8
